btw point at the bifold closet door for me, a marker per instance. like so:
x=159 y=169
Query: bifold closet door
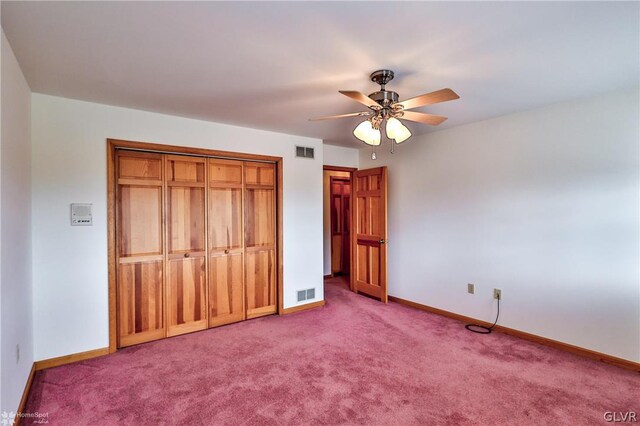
x=260 y=238
x=139 y=248
x=226 y=242
x=186 y=244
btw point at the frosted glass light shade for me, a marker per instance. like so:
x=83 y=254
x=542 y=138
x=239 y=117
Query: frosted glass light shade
x=392 y=127
x=403 y=134
x=396 y=130
x=363 y=130
x=374 y=138
x=367 y=134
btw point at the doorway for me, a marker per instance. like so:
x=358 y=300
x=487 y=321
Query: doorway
x=337 y=220
x=355 y=210
x=340 y=219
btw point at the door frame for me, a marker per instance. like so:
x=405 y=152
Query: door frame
x=350 y=170
x=115 y=144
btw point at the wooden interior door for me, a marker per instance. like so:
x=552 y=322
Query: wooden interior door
x=260 y=238
x=186 y=244
x=340 y=196
x=370 y=229
x=139 y=248
x=226 y=242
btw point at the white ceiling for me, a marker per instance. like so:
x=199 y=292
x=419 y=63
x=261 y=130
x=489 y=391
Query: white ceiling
x=273 y=65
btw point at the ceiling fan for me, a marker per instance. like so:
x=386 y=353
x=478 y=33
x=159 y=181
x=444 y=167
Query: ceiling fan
x=384 y=106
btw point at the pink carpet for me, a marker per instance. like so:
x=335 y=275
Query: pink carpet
x=355 y=361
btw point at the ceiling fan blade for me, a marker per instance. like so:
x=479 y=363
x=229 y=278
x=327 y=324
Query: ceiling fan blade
x=351 y=114
x=438 y=96
x=421 y=117
x=359 y=97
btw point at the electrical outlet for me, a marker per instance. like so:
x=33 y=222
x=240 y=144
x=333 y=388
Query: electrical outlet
x=18 y=353
x=471 y=288
x=497 y=293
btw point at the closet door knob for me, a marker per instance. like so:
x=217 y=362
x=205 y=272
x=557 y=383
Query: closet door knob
x=226 y=251
x=186 y=255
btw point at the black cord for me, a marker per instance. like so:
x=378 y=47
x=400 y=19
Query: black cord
x=481 y=329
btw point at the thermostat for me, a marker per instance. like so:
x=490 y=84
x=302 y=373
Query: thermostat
x=81 y=214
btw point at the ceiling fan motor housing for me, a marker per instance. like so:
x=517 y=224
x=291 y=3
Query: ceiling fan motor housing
x=383 y=97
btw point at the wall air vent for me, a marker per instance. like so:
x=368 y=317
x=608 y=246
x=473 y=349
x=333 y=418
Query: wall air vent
x=304 y=152
x=306 y=294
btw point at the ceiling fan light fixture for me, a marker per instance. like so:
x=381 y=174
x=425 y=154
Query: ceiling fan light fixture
x=392 y=127
x=374 y=138
x=396 y=130
x=402 y=134
x=362 y=130
x=367 y=134
x=385 y=105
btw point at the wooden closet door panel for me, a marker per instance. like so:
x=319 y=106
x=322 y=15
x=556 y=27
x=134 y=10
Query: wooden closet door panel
x=225 y=173
x=263 y=174
x=226 y=289
x=140 y=298
x=226 y=242
x=187 y=309
x=260 y=238
x=186 y=244
x=140 y=166
x=260 y=269
x=140 y=220
x=186 y=219
x=139 y=249
x=225 y=219
x=184 y=170
x=260 y=224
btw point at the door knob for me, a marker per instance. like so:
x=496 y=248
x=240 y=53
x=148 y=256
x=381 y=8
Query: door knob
x=186 y=255
x=226 y=251
x=381 y=241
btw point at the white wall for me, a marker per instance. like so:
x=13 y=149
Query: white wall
x=543 y=204
x=69 y=165
x=15 y=232
x=340 y=156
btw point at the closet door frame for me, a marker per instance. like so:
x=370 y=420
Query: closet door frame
x=112 y=146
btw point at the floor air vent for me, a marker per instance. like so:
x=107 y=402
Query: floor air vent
x=304 y=152
x=306 y=294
